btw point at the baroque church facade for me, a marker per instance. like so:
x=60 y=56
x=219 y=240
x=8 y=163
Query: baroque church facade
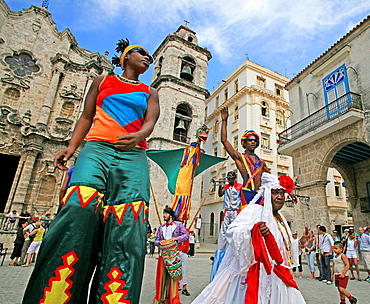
x=44 y=77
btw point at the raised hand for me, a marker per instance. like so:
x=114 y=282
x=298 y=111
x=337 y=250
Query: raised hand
x=224 y=113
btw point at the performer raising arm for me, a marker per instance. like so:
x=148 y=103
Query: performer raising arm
x=248 y=163
x=105 y=207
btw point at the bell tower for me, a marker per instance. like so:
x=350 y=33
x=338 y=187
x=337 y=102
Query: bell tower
x=180 y=71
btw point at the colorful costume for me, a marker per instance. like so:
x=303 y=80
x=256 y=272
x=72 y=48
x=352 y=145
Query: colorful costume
x=167 y=288
x=232 y=201
x=252 y=179
x=256 y=269
x=103 y=220
x=184 y=184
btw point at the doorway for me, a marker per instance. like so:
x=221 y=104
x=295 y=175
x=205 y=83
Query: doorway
x=9 y=165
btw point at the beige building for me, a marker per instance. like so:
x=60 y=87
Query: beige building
x=257 y=100
x=180 y=71
x=44 y=76
x=330 y=128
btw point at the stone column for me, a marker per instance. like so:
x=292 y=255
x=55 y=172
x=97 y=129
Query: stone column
x=90 y=80
x=317 y=212
x=50 y=97
x=23 y=178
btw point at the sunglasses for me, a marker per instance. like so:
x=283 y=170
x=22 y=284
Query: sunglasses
x=252 y=139
x=143 y=52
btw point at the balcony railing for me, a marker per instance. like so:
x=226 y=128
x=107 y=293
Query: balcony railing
x=181 y=138
x=331 y=111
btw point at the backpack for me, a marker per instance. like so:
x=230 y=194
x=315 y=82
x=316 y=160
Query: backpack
x=32 y=237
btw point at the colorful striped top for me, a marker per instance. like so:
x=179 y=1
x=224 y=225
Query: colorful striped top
x=120 y=109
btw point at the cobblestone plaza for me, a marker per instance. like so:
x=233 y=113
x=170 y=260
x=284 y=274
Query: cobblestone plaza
x=13 y=282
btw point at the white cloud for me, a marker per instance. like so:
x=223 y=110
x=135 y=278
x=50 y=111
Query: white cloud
x=220 y=24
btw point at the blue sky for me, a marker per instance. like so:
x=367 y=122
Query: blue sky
x=282 y=35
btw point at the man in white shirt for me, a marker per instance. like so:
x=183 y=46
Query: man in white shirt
x=364 y=241
x=11 y=219
x=27 y=242
x=326 y=250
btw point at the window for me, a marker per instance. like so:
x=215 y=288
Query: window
x=335 y=86
x=201 y=188
x=236 y=113
x=221 y=218
x=215 y=127
x=159 y=66
x=212 y=224
x=215 y=149
x=235 y=142
x=236 y=86
x=213 y=187
x=279 y=118
x=206 y=112
x=264 y=109
x=22 y=65
x=261 y=81
x=226 y=94
x=337 y=190
x=279 y=90
x=217 y=101
x=11 y=95
x=183 y=118
x=223 y=152
x=265 y=141
x=67 y=109
x=187 y=68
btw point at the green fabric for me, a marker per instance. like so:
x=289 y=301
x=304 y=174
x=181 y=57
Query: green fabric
x=123 y=178
x=170 y=160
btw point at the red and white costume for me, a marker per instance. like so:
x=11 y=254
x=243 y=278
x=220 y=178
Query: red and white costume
x=256 y=269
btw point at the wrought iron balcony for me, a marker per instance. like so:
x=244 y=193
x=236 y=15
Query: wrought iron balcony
x=327 y=113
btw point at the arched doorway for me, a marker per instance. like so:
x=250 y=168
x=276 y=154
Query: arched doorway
x=352 y=160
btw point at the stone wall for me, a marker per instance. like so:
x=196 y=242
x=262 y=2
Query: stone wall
x=41 y=98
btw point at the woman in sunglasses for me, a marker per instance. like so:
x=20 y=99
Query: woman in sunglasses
x=103 y=219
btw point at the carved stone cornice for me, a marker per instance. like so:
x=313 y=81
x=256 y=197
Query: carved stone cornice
x=7 y=114
x=312 y=184
x=15 y=147
x=97 y=62
x=16 y=82
x=254 y=91
x=169 y=78
x=173 y=37
x=71 y=93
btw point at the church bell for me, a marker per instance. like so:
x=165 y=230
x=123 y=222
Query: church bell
x=186 y=73
x=181 y=126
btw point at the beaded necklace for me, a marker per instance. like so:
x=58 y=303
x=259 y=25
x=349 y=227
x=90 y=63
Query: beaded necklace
x=124 y=79
x=287 y=246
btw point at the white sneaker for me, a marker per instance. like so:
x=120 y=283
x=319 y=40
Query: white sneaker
x=329 y=282
x=324 y=281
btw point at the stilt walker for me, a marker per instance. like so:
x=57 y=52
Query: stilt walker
x=181 y=177
x=102 y=222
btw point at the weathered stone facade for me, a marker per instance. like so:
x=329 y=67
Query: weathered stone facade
x=182 y=97
x=44 y=77
x=330 y=105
